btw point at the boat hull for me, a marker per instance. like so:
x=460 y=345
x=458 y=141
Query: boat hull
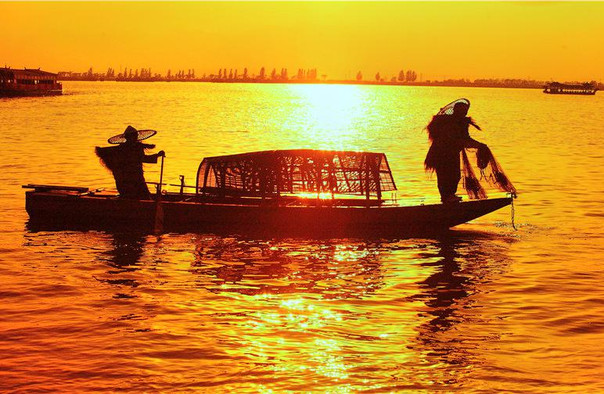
x=30 y=92
x=54 y=209
x=591 y=93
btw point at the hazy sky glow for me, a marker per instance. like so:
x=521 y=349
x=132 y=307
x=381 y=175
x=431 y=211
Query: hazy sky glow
x=539 y=40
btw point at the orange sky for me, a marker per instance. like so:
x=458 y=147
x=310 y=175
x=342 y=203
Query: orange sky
x=539 y=40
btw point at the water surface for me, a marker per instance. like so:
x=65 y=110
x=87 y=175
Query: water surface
x=484 y=307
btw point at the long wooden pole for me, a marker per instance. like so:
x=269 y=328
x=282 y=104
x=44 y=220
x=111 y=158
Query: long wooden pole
x=159 y=211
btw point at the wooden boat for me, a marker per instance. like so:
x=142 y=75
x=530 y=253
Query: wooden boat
x=587 y=88
x=284 y=191
x=28 y=82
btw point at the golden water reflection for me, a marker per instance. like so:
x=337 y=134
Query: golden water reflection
x=343 y=312
x=333 y=114
x=342 y=315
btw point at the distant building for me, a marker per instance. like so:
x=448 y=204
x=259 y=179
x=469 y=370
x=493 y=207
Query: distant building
x=28 y=82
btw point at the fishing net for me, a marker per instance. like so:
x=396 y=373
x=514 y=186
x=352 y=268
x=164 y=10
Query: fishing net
x=490 y=172
x=469 y=180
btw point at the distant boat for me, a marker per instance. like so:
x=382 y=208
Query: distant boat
x=562 y=88
x=282 y=191
x=28 y=82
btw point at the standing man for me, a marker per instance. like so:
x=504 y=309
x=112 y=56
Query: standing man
x=125 y=161
x=449 y=135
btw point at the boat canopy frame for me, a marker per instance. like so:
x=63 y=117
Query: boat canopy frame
x=274 y=173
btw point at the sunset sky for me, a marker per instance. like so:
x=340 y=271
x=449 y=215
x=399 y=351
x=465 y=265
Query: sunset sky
x=538 y=40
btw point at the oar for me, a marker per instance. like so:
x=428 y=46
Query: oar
x=159 y=211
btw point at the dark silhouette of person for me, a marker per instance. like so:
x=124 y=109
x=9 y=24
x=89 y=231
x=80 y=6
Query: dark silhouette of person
x=449 y=135
x=125 y=161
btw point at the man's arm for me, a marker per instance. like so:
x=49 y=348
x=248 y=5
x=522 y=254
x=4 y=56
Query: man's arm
x=472 y=143
x=153 y=158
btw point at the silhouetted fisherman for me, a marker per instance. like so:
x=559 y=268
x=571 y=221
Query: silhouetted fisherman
x=448 y=132
x=126 y=160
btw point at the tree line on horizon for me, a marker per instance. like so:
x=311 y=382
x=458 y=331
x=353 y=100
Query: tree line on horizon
x=302 y=75
x=224 y=75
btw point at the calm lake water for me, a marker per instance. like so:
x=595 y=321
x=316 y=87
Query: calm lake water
x=482 y=308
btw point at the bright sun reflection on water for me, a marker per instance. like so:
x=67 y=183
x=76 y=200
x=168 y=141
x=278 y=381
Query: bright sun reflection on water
x=333 y=113
x=299 y=320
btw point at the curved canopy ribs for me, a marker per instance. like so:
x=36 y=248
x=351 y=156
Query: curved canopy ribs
x=273 y=173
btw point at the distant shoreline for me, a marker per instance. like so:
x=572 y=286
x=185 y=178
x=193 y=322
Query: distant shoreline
x=538 y=85
x=508 y=84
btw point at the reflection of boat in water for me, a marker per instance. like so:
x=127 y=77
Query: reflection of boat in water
x=563 y=88
x=458 y=323
x=307 y=191
x=333 y=268
x=412 y=304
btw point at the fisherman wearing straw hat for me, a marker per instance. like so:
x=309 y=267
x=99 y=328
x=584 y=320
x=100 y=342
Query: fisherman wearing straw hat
x=125 y=161
x=449 y=136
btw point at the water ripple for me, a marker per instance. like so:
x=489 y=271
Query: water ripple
x=484 y=308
